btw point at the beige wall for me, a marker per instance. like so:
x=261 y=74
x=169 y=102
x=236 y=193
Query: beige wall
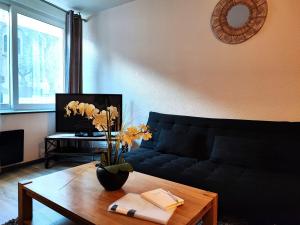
x=163 y=56
x=36 y=126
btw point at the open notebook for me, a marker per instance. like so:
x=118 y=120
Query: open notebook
x=134 y=205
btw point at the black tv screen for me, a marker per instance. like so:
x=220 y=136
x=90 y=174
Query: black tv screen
x=80 y=124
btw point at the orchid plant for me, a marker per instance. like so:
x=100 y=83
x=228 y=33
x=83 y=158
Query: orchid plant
x=111 y=160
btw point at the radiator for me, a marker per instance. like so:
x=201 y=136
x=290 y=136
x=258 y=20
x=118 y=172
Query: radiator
x=11 y=147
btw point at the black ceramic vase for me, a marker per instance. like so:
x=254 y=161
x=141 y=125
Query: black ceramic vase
x=110 y=181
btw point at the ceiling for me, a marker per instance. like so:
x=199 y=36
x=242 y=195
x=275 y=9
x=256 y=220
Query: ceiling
x=87 y=7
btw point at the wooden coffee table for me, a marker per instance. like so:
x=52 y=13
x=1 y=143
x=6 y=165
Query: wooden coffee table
x=77 y=195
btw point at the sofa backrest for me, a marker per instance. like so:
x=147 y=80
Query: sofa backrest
x=212 y=128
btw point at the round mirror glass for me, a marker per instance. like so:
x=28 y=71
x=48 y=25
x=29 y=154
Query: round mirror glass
x=238 y=16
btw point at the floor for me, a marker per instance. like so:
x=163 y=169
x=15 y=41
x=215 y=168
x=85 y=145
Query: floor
x=9 y=188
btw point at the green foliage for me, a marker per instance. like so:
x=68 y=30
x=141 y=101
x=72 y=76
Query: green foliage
x=125 y=167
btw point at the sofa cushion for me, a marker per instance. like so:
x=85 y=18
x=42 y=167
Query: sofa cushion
x=189 y=143
x=266 y=197
x=258 y=195
x=285 y=155
x=274 y=194
x=167 y=166
x=221 y=127
x=245 y=152
x=278 y=155
x=158 y=122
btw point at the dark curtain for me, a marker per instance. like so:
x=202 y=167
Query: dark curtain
x=73 y=53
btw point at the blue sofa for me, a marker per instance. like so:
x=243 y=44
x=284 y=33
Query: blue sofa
x=254 y=166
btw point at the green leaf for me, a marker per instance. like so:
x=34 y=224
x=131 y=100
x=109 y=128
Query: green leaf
x=125 y=167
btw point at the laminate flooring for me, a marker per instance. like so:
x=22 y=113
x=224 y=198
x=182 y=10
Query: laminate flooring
x=9 y=186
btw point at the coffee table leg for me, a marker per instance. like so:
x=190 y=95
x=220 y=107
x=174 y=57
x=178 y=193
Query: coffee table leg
x=211 y=217
x=24 y=204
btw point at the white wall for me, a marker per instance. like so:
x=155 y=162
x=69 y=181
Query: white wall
x=163 y=56
x=36 y=127
x=90 y=57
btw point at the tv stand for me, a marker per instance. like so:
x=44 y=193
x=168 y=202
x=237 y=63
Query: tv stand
x=54 y=145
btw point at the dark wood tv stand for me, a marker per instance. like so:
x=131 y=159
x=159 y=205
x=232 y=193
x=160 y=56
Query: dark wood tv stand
x=54 y=147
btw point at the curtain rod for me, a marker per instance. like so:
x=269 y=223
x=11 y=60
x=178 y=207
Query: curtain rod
x=59 y=8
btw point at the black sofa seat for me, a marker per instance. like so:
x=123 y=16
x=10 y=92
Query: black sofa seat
x=152 y=162
x=263 y=197
x=252 y=165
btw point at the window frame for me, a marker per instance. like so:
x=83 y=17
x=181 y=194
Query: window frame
x=7 y=106
x=14 y=10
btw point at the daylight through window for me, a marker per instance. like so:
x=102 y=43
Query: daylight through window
x=40 y=61
x=36 y=71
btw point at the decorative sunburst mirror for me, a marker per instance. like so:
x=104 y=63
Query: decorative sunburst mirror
x=235 y=21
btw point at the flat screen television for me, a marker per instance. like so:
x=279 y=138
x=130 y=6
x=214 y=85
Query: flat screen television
x=80 y=125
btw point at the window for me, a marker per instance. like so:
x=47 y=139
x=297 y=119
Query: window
x=5 y=46
x=40 y=61
x=32 y=60
x=4 y=60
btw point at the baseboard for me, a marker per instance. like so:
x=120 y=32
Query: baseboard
x=20 y=165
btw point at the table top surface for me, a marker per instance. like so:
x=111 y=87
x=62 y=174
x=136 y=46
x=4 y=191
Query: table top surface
x=78 y=191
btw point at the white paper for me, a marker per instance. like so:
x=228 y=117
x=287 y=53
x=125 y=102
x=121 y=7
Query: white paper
x=144 y=209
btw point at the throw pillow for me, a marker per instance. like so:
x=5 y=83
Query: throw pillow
x=188 y=144
x=240 y=151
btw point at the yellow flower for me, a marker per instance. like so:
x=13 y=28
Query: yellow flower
x=144 y=128
x=130 y=134
x=90 y=110
x=100 y=121
x=147 y=136
x=127 y=139
x=73 y=106
x=132 y=130
x=68 y=111
x=113 y=112
x=81 y=108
